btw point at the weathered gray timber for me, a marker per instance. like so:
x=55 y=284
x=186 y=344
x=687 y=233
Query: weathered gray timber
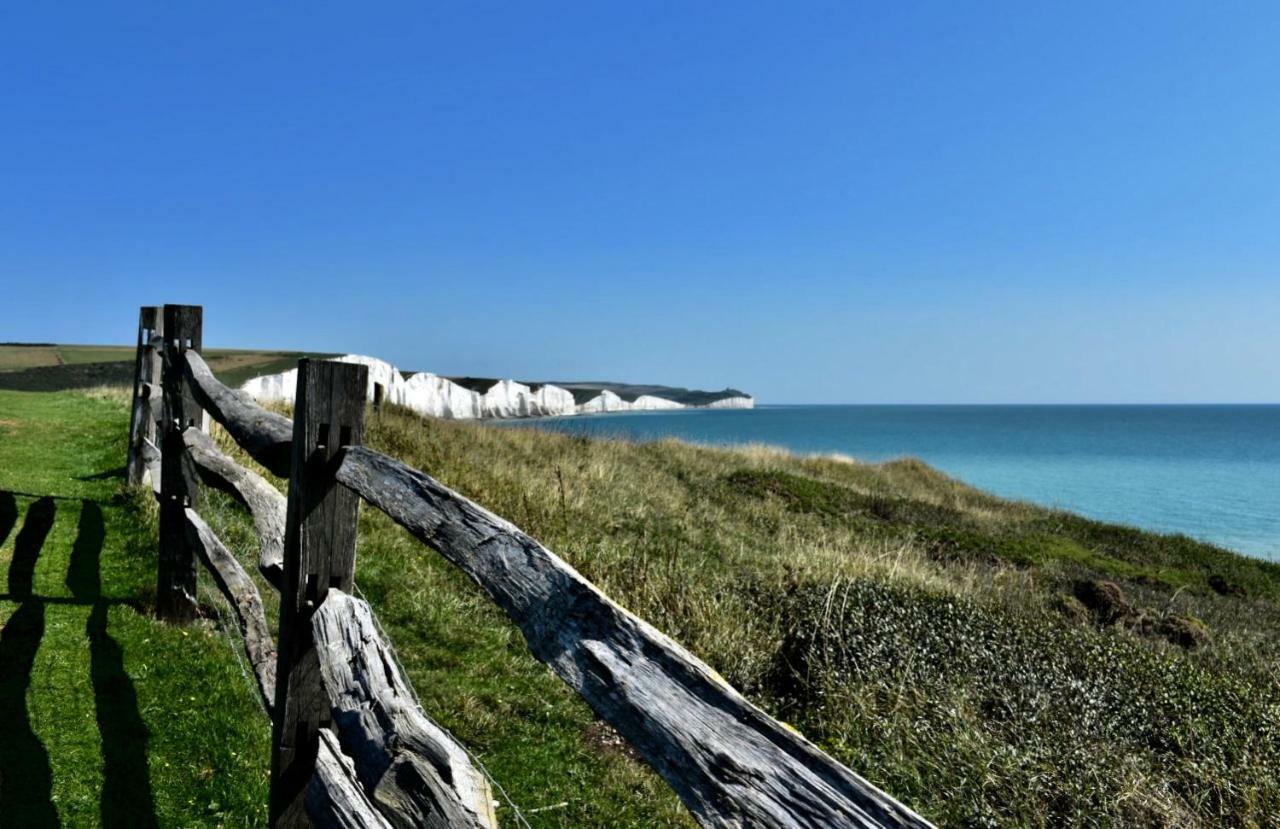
x=414 y=771
x=731 y=764
x=153 y=398
x=150 y=455
x=146 y=372
x=239 y=589
x=176 y=576
x=319 y=555
x=264 y=502
x=266 y=436
x=334 y=799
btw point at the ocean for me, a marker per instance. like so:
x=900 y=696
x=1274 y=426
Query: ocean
x=1208 y=471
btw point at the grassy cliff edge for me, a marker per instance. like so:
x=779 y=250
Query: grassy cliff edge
x=989 y=662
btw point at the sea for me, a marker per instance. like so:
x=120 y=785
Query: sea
x=1211 y=472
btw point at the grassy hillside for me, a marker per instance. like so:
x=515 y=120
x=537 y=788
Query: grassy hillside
x=991 y=663
x=52 y=367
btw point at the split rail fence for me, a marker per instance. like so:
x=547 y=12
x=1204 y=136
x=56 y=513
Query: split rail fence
x=351 y=746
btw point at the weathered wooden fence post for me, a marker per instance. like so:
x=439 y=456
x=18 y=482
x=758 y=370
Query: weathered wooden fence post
x=319 y=554
x=146 y=382
x=176 y=583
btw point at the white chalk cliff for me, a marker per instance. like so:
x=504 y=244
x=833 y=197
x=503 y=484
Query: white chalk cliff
x=435 y=396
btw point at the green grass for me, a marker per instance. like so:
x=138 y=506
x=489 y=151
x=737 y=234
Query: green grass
x=18 y=357
x=925 y=633
x=62 y=367
x=106 y=716
x=910 y=624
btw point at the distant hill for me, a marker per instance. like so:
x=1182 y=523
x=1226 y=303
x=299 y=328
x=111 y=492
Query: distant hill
x=586 y=390
x=53 y=367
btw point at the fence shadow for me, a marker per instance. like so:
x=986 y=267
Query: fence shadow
x=127 y=798
x=105 y=475
x=26 y=782
x=8 y=514
x=26 y=547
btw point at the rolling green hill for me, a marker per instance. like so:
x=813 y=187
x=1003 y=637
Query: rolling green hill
x=50 y=367
x=991 y=663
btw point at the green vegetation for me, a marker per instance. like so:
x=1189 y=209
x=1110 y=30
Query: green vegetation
x=991 y=663
x=52 y=367
x=49 y=367
x=106 y=716
x=953 y=647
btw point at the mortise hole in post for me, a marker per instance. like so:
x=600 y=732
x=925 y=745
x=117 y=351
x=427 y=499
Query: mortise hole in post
x=377 y=395
x=345 y=440
x=188 y=342
x=322 y=436
x=191 y=421
x=313 y=585
x=335 y=582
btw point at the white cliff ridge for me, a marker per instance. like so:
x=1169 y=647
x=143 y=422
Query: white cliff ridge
x=435 y=396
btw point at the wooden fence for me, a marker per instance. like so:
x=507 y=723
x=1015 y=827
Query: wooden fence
x=351 y=745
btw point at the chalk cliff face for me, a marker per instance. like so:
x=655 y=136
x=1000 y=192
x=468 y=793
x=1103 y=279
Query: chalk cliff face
x=605 y=401
x=507 y=398
x=273 y=387
x=283 y=386
x=436 y=396
x=732 y=403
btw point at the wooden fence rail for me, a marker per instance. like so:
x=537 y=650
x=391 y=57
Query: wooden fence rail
x=352 y=745
x=332 y=794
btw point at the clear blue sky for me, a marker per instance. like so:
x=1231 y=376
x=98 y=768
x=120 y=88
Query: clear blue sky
x=818 y=202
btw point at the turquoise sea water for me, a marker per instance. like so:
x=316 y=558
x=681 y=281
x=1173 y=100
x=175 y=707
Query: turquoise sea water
x=1211 y=472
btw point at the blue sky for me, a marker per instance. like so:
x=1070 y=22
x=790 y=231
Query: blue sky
x=819 y=202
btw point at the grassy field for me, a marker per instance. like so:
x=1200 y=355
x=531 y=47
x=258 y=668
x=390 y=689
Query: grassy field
x=990 y=663
x=107 y=718
x=50 y=367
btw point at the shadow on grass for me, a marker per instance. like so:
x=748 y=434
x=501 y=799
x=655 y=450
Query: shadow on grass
x=8 y=515
x=126 y=780
x=105 y=475
x=25 y=779
x=26 y=547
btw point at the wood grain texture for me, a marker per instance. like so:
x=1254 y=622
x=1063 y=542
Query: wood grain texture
x=264 y=502
x=176 y=570
x=150 y=454
x=731 y=764
x=266 y=436
x=334 y=799
x=146 y=372
x=319 y=555
x=415 y=772
x=239 y=589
